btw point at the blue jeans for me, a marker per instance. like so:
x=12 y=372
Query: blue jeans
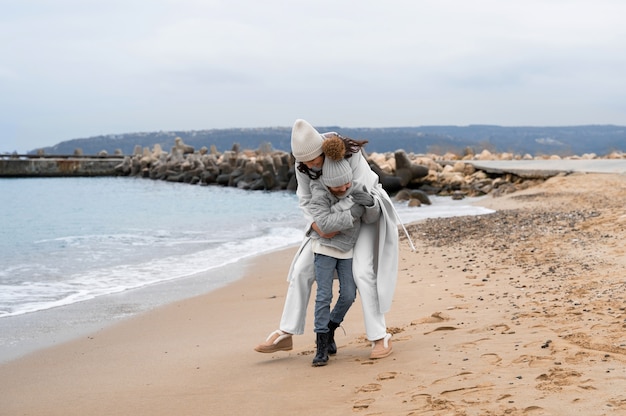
x=325 y=267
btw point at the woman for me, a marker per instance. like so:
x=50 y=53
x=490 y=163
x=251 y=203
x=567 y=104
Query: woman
x=375 y=260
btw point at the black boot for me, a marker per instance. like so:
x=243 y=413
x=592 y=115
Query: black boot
x=332 y=346
x=321 y=356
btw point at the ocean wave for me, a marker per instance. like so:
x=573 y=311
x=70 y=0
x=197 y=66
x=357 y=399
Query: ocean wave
x=57 y=250
x=31 y=296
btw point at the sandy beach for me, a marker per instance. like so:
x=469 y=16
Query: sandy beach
x=520 y=312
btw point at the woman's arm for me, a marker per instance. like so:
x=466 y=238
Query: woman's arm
x=361 y=171
x=304 y=194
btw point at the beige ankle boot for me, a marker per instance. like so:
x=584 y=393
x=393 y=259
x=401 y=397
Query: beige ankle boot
x=381 y=349
x=276 y=341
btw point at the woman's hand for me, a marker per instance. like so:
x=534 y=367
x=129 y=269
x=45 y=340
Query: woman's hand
x=317 y=230
x=362 y=197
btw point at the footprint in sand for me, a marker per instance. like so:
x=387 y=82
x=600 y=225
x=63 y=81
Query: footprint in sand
x=491 y=358
x=422 y=401
x=432 y=319
x=534 y=361
x=369 y=388
x=579 y=357
x=556 y=378
x=426 y=402
x=362 y=404
x=472 y=344
x=387 y=376
x=502 y=328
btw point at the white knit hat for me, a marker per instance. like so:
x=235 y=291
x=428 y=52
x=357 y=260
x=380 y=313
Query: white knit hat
x=336 y=173
x=306 y=142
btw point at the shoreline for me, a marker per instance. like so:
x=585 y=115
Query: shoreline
x=522 y=315
x=57 y=325
x=63 y=324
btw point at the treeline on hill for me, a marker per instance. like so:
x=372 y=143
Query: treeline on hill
x=562 y=141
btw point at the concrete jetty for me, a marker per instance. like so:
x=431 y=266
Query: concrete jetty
x=24 y=166
x=543 y=169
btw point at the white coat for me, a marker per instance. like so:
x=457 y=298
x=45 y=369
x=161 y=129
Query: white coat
x=375 y=263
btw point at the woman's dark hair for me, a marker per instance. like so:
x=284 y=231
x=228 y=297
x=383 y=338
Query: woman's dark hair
x=352 y=146
x=305 y=169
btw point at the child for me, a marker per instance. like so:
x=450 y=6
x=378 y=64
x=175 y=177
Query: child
x=337 y=205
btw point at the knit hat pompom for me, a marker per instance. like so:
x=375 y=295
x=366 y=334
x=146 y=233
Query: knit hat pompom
x=334 y=148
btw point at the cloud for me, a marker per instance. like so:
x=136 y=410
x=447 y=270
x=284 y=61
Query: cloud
x=82 y=68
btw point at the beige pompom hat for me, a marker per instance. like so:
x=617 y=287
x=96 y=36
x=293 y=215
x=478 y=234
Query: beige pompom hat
x=306 y=142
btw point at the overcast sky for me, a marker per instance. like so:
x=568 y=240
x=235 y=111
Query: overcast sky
x=81 y=68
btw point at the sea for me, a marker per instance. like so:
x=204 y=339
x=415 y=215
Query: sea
x=78 y=254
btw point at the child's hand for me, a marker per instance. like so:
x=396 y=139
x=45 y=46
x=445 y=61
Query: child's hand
x=357 y=210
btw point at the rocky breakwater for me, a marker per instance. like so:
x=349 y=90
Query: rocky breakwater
x=404 y=175
x=261 y=169
x=458 y=176
x=445 y=175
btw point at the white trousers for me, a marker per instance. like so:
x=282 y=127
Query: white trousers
x=299 y=290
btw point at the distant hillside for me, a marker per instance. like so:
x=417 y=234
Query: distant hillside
x=563 y=141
